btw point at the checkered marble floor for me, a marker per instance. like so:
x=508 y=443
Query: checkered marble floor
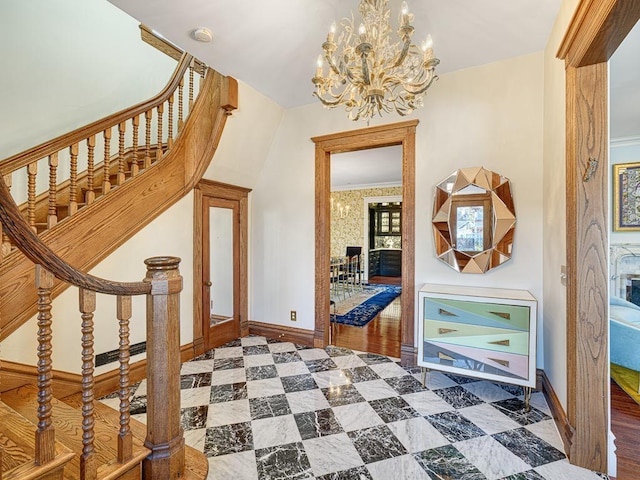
x=263 y=409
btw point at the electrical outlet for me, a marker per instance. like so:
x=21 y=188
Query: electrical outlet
x=294 y=316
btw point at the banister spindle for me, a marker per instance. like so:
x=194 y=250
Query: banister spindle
x=45 y=433
x=160 y=109
x=73 y=184
x=32 y=171
x=5 y=243
x=147 y=147
x=106 y=170
x=90 y=194
x=202 y=72
x=170 y=123
x=191 y=87
x=52 y=217
x=88 y=466
x=125 y=437
x=134 y=163
x=122 y=127
x=180 y=104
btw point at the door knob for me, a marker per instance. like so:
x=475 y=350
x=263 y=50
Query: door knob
x=207 y=284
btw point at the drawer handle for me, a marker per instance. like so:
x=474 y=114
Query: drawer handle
x=505 y=343
x=446 y=313
x=443 y=331
x=506 y=316
x=444 y=356
x=504 y=363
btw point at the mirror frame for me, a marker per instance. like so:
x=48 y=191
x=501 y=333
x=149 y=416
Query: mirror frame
x=499 y=219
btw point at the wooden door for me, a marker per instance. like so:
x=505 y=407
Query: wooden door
x=220 y=270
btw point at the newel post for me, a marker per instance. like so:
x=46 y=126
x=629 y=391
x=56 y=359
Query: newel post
x=164 y=434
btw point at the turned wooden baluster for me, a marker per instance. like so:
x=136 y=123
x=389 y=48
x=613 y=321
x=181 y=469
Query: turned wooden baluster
x=170 y=123
x=52 y=217
x=191 y=86
x=45 y=434
x=165 y=436
x=90 y=194
x=73 y=185
x=147 y=147
x=180 y=104
x=120 y=178
x=160 y=113
x=32 y=171
x=125 y=437
x=88 y=466
x=134 y=163
x=203 y=70
x=106 y=182
x=5 y=243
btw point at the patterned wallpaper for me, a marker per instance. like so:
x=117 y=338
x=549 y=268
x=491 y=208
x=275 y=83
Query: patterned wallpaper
x=350 y=229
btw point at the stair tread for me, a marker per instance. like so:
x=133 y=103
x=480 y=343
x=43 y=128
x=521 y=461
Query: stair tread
x=17 y=440
x=67 y=421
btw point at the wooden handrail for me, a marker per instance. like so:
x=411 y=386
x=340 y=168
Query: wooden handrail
x=45 y=149
x=35 y=250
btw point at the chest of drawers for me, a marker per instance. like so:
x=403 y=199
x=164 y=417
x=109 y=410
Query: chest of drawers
x=478 y=332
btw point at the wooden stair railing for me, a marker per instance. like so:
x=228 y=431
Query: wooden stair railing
x=162 y=286
x=109 y=201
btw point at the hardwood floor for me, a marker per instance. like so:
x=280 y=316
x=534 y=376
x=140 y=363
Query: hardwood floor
x=381 y=335
x=625 y=424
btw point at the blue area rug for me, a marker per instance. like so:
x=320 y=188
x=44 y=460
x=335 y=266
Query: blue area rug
x=362 y=314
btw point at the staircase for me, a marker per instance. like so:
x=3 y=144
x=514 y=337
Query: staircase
x=97 y=186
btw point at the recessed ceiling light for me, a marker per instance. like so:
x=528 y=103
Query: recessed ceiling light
x=202 y=34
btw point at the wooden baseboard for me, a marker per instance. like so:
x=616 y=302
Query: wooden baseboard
x=557 y=411
x=280 y=332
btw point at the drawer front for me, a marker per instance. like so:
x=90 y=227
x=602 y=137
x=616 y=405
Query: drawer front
x=477 y=336
x=513 y=317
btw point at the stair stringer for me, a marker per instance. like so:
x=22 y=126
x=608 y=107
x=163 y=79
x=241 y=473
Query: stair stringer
x=89 y=236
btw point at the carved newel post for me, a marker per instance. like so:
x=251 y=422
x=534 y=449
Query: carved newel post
x=164 y=434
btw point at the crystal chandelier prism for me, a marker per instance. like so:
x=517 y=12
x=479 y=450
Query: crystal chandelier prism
x=370 y=75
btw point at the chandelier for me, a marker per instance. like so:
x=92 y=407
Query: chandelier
x=370 y=75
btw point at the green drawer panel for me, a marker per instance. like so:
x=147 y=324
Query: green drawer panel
x=515 y=316
x=487 y=338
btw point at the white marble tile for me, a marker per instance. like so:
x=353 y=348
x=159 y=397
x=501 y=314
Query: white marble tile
x=307 y=401
x=427 y=403
x=548 y=432
x=404 y=467
x=417 y=434
x=258 y=360
x=289 y=369
x=487 y=391
x=563 y=470
x=282 y=347
x=228 y=413
x=111 y=402
x=233 y=466
x=228 y=352
x=538 y=401
x=141 y=417
x=194 y=397
x=332 y=453
x=331 y=378
x=388 y=370
x=195 y=438
x=348 y=361
x=264 y=388
x=249 y=341
x=375 y=389
x=357 y=416
x=313 y=354
x=488 y=418
x=200 y=366
x=269 y=432
x=141 y=390
x=232 y=375
x=436 y=380
x=491 y=458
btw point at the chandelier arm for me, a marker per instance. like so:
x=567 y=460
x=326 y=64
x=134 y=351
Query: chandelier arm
x=422 y=87
x=405 y=50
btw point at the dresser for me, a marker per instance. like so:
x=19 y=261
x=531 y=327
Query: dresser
x=479 y=332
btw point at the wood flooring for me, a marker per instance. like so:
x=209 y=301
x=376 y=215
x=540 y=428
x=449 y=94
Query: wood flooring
x=625 y=424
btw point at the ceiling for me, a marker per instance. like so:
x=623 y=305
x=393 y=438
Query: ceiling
x=377 y=166
x=624 y=75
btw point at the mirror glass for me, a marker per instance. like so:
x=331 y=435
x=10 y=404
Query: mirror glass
x=221 y=268
x=473 y=220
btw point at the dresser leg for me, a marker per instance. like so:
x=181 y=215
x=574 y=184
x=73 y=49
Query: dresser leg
x=424 y=376
x=527 y=399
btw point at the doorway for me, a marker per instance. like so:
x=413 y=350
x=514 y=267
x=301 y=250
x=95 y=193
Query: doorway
x=220 y=264
x=385 y=135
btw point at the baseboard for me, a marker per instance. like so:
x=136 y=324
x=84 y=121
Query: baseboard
x=280 y=332
x=557 y=411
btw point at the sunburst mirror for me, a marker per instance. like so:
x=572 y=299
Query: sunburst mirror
x=473 y=220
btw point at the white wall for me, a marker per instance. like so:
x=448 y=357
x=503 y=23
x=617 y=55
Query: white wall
x=554 y=231
x=67 y=63
x=489 y=115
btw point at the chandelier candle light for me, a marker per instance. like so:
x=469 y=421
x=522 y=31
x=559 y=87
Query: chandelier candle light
x=372 y=76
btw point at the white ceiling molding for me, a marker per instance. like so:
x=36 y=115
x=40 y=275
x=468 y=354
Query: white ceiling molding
x=365 y=186
x=624 y=141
